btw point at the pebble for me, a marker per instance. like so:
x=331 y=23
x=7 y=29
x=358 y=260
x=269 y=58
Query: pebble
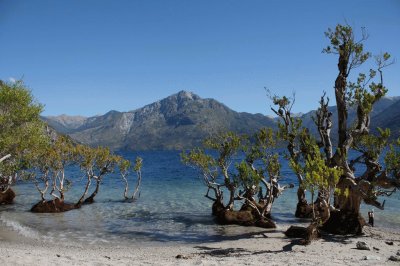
x=370 y=257
x=362 y=246
x=394 y=258
x=180 y=256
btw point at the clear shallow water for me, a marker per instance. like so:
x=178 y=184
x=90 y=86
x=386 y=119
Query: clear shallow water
x=172 y=208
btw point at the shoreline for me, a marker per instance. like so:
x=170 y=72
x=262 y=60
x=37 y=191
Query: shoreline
x=261 y=247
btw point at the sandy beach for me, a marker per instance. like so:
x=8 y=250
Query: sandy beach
x=265 y=247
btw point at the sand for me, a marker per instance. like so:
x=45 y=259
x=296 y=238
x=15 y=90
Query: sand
x=258 y=248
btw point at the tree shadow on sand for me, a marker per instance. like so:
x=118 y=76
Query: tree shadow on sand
x=239 y=252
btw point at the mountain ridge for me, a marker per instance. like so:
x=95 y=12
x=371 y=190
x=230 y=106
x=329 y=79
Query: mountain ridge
x=179 y=121
x=183 y=120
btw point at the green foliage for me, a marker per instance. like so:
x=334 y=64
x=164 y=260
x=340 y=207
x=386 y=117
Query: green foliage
x=372 y=146
x=261 y=155
x=26 y=139
x=227 y=145
x=125 y=166
x=138 y=164
x=246 y=176
x=392 y=160
x=365 y=91
x=22 y=132
x=215 y=161
x=201 y=161
x=318 y=175
x=61 y=153
x=99 y=161
x=342 y=42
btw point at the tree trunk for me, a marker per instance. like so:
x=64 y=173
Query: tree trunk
x=7 y=197
x=139 y=181
x=90 y=199
x=303 y=209
x=80 y=201
x=346 y=218
x=126 y=187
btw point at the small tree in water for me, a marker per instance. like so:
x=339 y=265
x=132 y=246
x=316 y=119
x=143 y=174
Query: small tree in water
x=290 y=131
x=96 y=163
x=125 y=167
x=49 y=168
x=259 y=167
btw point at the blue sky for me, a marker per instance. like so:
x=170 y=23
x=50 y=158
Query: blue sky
x=89 y=57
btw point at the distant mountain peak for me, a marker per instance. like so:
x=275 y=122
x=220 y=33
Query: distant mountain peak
x=186 y=95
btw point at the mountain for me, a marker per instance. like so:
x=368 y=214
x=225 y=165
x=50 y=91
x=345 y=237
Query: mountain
x=184 y=119
x=64 y=123
x=385 y=110
x=389 y=118
x=179 y=121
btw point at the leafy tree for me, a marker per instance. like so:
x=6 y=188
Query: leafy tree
x=125 y=167
x=259 y=167
x=22 y=132
x=95 y=163
x=49 y=167
x=318 y=176
x=290 y=131
x=33 y=151
x=344 y=216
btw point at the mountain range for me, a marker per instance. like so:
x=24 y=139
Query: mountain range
x=179 y=121
x=184 y=119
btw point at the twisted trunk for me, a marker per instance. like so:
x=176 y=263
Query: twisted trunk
x=81 y=199
x=90 y=199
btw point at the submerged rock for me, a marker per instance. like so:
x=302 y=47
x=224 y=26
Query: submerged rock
x=362 y=246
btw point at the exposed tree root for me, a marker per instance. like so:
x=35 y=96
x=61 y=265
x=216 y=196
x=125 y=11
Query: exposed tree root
x=52 y=206
x=7 y=197
x=344 y=223
x=307 y=234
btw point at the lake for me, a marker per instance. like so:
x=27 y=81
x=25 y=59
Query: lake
x=171 y=208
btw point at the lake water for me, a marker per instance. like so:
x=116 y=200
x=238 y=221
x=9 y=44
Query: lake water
x=171 y=208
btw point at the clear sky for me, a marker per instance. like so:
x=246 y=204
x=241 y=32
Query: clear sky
x=89 y=57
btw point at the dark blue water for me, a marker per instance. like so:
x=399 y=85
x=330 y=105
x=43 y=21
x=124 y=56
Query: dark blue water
x=171 y=208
